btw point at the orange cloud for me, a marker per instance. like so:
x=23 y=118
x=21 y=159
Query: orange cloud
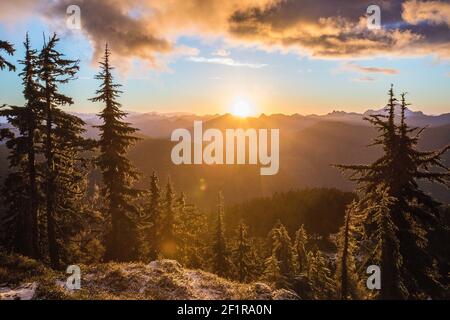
x=149 y=29
x=362 y=69
x=435 y=12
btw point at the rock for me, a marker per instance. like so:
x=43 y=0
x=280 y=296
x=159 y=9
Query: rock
x=23 y=292
x=283 y=294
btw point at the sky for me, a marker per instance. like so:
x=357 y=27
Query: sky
x=253 y=56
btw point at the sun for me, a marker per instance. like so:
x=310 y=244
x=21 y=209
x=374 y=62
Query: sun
x=242 y=108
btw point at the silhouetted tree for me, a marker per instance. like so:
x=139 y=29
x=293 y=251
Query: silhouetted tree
x=398 y=213
x=21 y=186
x=221 y=264
x=9 y=49
x=116 y=137
x=64 y=148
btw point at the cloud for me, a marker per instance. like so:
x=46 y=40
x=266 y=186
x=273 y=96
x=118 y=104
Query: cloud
x=149 y=29
x=433 y=12
x=362 y=69
x=227 y=61
x=221 y=53
x=364 y=79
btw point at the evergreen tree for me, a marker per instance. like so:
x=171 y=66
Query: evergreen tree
x=272 y=273
x=116 y=137
x=191 y=230
x=346 y=271
x=9 y=49
x=21 y=186
x=153 y=221
x=169 y=246
x=244 y=259
x=320 y=275
x=283 y=252
x=398 y=213
x=64 y=146
x=301 y=239
x=221 y=264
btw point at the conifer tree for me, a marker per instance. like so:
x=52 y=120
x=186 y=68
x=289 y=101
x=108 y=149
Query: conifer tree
x=116 y=137
x=64 y=146
x=21 y=186
x=243 y=254
x=320 y=275
x=169 y=246
x=398 y=213
x=191 y=230
x=283 y=252
x=347 y=279
x=221 y=264
x=153 y=220
x=9 y=49
x=301 y=239
x=272 y=273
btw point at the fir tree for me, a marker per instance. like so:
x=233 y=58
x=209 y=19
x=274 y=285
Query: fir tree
x=320 y=275
x=272 y=273
x=243 y=254
x=9 y=49
x=21 y=186
x=153 y=221
x=346 y=271
x=221 y=264
x=169 y=246
x=64 y=146
x=282 y=250
x=399 y=214
x=301 y=239
x=116 y=137
x=190 y=230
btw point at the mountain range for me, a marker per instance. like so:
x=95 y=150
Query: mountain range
x=309 y=146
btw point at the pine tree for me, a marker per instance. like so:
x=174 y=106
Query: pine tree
x=398 y=213
x=64 y=146
x=347 y=279
x=116 y=137
x=283 y=252
x=153 y=221
x=21 y=186
x=168 y=246
x=191 y=230
x=9 y=49
x=243 y=254
x=221 y=264
x=319 y=275
x=301 y=239
x=272 y=273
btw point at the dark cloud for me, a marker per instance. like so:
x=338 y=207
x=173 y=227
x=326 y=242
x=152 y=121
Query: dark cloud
x=326 y=28
x=149 y=29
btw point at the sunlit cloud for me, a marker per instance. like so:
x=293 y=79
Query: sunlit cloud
x=434 y=12
x=364 y=79
x=227 y=62
x=362 y=69
x=149 y=30
x=221 y=53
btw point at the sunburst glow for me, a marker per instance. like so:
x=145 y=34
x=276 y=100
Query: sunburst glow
x=242 y=108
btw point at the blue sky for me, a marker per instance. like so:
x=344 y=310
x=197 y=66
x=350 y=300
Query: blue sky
x=271 y=81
